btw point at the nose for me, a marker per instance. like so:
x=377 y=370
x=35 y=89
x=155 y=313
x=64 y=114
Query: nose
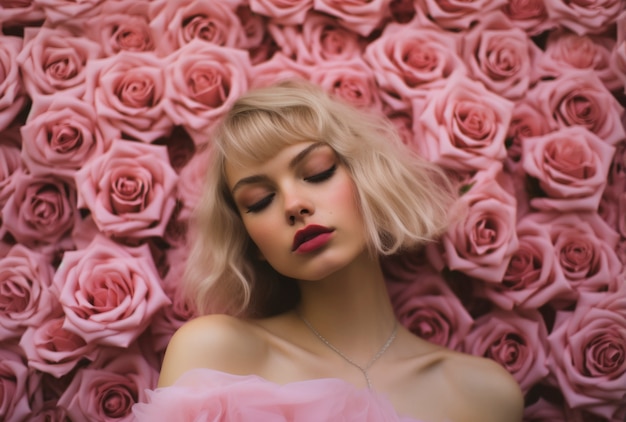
x=297 y=208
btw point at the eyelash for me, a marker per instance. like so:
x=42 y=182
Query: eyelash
x=316 y=178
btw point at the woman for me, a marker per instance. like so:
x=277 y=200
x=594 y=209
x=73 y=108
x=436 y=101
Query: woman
x=304 y=196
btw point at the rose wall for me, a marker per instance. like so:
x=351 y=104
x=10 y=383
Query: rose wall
x=106 y=112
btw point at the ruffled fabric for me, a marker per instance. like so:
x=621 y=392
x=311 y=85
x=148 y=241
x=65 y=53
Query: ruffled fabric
x=205 y=395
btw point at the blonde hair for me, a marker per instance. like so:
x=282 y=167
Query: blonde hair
x=404 y=199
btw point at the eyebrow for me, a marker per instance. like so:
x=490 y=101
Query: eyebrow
x=299 y=157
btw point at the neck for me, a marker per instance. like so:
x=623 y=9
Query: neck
x=351 y=308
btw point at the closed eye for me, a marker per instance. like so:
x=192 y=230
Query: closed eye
x=260 y=205
x=320 y=177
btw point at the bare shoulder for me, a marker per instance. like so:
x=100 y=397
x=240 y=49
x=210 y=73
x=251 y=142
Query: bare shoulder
x=487 y=386
x=219 y=342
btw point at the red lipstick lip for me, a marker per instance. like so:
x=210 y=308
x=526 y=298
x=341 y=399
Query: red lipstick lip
x=308 y=233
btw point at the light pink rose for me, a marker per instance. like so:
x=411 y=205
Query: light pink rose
x=465 y=125
x=584 y=248
x=14 y=388
x=60 y=136
x=257 y=40
x=128 y=91
x=517 y=341
x=107 y=389
x=533 y=277
x=283 y=12
x=20 y=12
x=588 y=353
x=584 y=17
x=482 y=243
x=130 y=190
x=41 y=210
x=352 y=81
x=409 y=59
x=571 y=166
x=109 y=293
x=360 y=16
x=54 y=350
x=458 y=14
x=501 y=56
x=203 y=81
x=12 y=97
x=322 y=38
x=529 y=15
x=54 y=59
x=580 y=98
x=618 y=55
x=178 y=23
x=25 y=297
x=63 y=11
x=180 y=147
x=426 y=306
x=121 y=26
x=565 y=50
x=278 y=68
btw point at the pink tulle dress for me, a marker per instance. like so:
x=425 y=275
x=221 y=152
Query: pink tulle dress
x=211 y=396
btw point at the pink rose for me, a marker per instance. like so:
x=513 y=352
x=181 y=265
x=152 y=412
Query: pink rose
x=60 y=136
x=180 y=148
x=352 y=81
x=409 y=59
x=14 y=379
x=584 y=17
x=54 y=59
x=258 y=41
x=580 y=98
x=565 y=51
x=482 y=243
x=203 y=81
x=500 y=56
x=20 y=12
x=465 y=125
x=62 y=11
x=360 y=16
x=543 y=411
x=121 y=26
x=571 y=166
x=54 y=350
x=41 y=210
x=584 y=248
x=426 y=306
x=107 y=389
x=322 y=38
x=25 y=297
x=278 y=68
x=178 y=23
x=282 y=12
x=588 y=353
x=12 y=96
x=533 y=276
x=526 y=121
x=128 y=91
x=10 y=163
x=129 y=189
x=108 y=292
x=458 y=15
x=529 y=15
x=618 y=55
x=517 y=341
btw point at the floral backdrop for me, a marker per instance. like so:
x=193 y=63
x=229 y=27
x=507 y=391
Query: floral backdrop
x=106 y=110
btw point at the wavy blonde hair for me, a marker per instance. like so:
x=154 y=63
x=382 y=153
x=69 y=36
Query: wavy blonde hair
x=404 y=199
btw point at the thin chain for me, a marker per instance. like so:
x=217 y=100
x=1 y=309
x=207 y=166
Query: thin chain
x=365 y=368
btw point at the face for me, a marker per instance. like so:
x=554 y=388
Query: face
x=300 y=210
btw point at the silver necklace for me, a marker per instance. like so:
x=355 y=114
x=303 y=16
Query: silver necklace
x=365 y=368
